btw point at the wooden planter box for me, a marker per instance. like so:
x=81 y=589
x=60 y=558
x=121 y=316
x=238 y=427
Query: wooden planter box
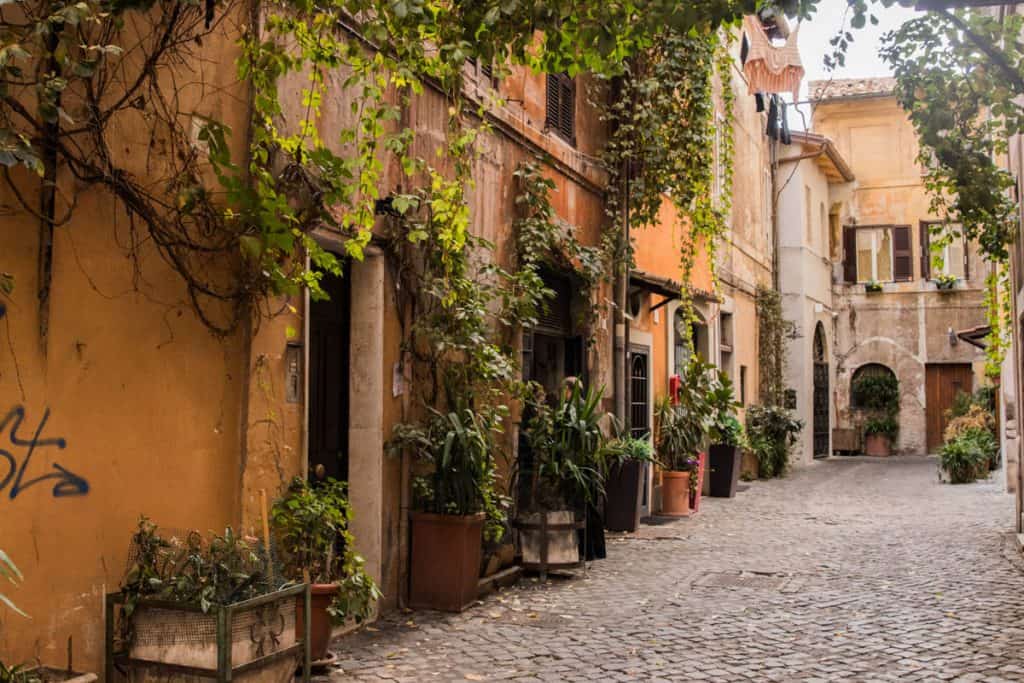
x=51 y=675
x=251 y=641
x=548 y=540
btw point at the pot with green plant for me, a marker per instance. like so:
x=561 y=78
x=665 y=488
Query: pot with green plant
x=772 y=432
x=873 y=287
x=727 y=439
x=880 y=432
x=945 y=283
x=455 y=501
x=311 y=524
x=624 y=460
x=557 y=522
x=684 y=423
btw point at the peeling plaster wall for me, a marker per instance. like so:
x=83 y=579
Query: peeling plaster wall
x=906 y=326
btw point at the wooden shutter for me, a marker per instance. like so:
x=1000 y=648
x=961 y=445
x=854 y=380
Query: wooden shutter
x=551 y=117
x=561 y=105
x=926 y=251
x=902 y=254
x=849 y=253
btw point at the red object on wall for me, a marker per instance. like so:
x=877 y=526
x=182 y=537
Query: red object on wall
x=702 y=461
x=675 y=385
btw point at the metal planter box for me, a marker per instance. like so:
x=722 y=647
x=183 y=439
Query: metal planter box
x=251 y=641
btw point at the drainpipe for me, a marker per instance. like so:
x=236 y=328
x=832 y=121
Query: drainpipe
x=620 y=285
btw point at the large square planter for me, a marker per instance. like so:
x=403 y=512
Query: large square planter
x=254 y=641
x=622 y=496
x=445 y=567
x=675 y=493
x=877 y=445
x=724 y=462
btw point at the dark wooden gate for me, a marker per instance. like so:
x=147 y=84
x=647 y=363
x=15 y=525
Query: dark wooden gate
x=329 y=324
x=821 y=410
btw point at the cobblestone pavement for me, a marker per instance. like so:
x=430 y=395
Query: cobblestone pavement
x=850 y=569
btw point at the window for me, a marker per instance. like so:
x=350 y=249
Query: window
x=683 y=349
x=953 y=257
x=743 y=384
x=874 y=255
x=561 y=106
x=822 y=224
x=879 y=253
x=808 y=226
x=725 y=343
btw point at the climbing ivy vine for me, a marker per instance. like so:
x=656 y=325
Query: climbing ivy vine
x=667 y=144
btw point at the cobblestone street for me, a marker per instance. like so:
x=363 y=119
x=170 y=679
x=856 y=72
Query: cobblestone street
x=851 y=569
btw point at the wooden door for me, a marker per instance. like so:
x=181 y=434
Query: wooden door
x=942 y=383
x=329 y=324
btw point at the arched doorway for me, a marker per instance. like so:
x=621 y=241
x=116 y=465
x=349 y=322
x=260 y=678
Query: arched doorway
x=822 y=409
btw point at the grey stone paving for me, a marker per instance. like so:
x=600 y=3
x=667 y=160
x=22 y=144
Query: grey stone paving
x=848 y=570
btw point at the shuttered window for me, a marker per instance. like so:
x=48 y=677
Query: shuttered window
x=955 y=256
x=881 y=253
x=561 y=106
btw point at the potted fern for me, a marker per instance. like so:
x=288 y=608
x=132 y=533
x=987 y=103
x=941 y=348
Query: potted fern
x=455 y=500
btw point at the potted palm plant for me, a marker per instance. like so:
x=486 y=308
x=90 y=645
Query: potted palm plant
x=311 y=526
x=565 y=480
x=684 y=422
x=623 y=460
x=727 y=439
x=455 y=502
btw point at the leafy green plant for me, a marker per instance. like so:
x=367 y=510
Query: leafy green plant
x=882 y=425
x=877 y=392
x=458 y=449
x=772 y=432
x=620 y=450
x=311 y=524
x=725 y=428
x=963 y=458
x=566 y=442
x=945 y=281
x=685 y=425
x=194 y=570
x=10 y=572
x=18 y=673
x=872 y=286
x=731 y=432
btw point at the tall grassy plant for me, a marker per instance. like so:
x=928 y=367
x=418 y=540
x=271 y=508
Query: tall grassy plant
x=10 y=572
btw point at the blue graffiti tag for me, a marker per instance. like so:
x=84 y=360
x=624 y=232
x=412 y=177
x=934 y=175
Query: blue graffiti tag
x=68 y=483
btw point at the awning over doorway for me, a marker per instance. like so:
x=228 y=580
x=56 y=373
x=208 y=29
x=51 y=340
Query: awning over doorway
x=666 y=287
x=975 y=336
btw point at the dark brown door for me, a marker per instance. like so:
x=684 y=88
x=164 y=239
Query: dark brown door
x=328 y=380
x=943 y=383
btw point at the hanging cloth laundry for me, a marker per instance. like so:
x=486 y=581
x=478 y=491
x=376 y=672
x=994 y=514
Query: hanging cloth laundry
x=768 y=68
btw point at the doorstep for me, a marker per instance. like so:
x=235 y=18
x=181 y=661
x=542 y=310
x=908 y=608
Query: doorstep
x=502 y=579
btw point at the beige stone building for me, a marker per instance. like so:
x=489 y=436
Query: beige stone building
x=908 y=328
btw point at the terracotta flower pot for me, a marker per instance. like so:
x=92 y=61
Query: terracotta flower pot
x=321 y=596
x=675 y=493
x=445 y=567
x=877 y=445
